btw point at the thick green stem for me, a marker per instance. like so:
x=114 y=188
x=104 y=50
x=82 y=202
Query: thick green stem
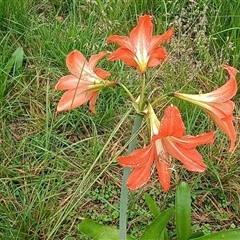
x=124 y=191
x=143 y=86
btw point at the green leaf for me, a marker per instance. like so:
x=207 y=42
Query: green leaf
x=16 y=60
x=183 y=211
x=98 y=231
x=156 y=228
x=18 y=57
x=196 y=235
x=15 y=63
x=222 y=235
x=155 y=211
x=152 y=205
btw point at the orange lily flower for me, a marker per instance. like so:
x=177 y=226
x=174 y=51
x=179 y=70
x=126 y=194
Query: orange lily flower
x=167 y=141
x=217 y=104
x=84 y=83
x=141 y=49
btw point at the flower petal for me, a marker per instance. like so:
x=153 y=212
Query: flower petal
x=162 y=165
x=231 y=70
x=164 y=174
x=122 y=41
x=77 y=64
x=161 y=39
x=220 y=95
x=102 y=73
x=141 y=35
x=74 y=98
x=137 y=158
x=191 y=158
x=189 y=142
x=221 y=110
x=157 y=56
x=139 y=177
x=93 y=101
x=125 y=55
x=226 y=125
x=93 y=60
x=171 y=123
x=69 y=82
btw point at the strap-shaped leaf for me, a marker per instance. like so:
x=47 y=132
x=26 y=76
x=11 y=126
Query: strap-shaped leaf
x=196 y=235
x=222 y=235
x=152 y=205
x=16 y=60
x=98 y=231
x=156 y=228
x=14 y=64
x=155 y=211
x=183 y=211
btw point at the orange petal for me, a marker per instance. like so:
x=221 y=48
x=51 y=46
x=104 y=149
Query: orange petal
x=189 y=142
x=157 y=55
x=221 y=110
x=171 y=123
x=191 y=158
x=138 y=178
x=93 y=60
x=102 y=73
x=93 y=101
x=161 y=39
x=141 y=35
x=77 y=63
x=220 y=95
x=226 y=125
x=163 y=169
x=122 y=41
x=137 y=158
x=73 y=98
x=164 y=175
x=70 y=82
x=141 y=174
x=125 y=55
x=231 y=70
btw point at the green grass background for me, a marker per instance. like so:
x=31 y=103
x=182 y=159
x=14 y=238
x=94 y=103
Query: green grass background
x=57 y=168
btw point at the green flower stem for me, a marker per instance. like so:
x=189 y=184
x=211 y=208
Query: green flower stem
x=124 y=191
x=161 y=98
x=129 y=94
x=141 y=102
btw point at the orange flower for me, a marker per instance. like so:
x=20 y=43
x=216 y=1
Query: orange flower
x=84 y=83
x=141 y=49
x=167 y=140
x=217 y=104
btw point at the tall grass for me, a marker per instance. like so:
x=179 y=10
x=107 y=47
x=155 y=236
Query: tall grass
x=53 y=168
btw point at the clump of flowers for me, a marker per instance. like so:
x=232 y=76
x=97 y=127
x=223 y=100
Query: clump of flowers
x=142 y=50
